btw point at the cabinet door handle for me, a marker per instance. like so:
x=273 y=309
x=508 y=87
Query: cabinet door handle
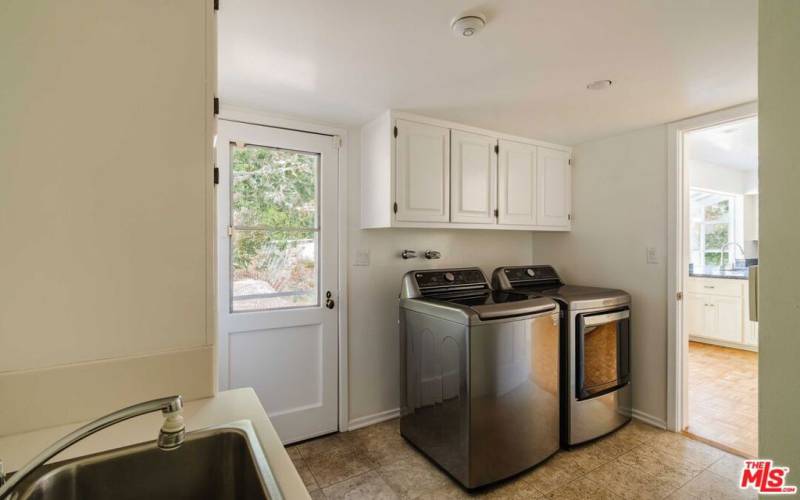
x=708 y=286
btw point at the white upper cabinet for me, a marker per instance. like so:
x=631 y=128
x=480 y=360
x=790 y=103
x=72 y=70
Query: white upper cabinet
x=423 y=172
x=473 y=178
x=427 y=173
x=517 y=184
x=555 y=187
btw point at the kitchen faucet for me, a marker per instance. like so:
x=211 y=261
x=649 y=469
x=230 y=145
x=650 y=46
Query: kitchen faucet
x=170 y=436
x=733 y=255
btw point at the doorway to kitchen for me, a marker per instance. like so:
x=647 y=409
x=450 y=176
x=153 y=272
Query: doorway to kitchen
x=278 y=272
x=714 y=256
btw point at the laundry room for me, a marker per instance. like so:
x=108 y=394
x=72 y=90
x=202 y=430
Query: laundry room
x=367 y=249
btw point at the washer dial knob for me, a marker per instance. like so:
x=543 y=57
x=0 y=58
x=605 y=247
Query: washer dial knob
x=530 y=272
x=449 y=277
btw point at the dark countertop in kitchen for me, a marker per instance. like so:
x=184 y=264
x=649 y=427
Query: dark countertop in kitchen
x=713 y=272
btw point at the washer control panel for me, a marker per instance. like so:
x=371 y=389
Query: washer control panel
x=449 y=277
x=530 y=274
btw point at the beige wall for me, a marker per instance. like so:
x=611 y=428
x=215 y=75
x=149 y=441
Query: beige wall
x=779 y=274
x=104 y=202
x=619 y=209
x=373 y=289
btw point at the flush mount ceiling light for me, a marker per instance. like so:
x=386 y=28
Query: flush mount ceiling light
x=600 y=85
x=468 y=26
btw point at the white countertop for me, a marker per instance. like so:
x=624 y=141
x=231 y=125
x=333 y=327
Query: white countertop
x=238 y=404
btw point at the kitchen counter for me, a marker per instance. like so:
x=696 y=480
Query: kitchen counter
x=710 y=272
x=239 y=404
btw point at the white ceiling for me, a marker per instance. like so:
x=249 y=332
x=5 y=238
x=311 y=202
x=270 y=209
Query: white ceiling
x=345 y=61
x=729 y=145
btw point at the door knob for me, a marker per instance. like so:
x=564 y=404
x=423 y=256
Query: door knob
x=329 y=303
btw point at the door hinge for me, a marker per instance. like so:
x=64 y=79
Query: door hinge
x=569 y=216
x=230 y=231
x=496 y=212
x=216 y=175
x=216 y=4
x=337 y=141
x=679 y=296
x=395 y=207
x=216 y=106
x=395 y=130
x=497 y=149
x=569 y=161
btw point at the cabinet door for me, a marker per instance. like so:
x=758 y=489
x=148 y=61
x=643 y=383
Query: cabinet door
x=555 y=188
x=696 y=306
x=473 y=178
x=517 y=184
x=728 y=315
x=422 y=172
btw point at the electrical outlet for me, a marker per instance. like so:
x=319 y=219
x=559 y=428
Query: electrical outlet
x=362 y=258
x=652 y=255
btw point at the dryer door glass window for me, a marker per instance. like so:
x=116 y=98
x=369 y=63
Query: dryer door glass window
x=602 y=352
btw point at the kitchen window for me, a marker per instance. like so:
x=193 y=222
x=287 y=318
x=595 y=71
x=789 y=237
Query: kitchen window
x=713 y=225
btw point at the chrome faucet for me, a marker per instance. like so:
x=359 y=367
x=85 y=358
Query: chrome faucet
x=170 y=436
x=733 y=255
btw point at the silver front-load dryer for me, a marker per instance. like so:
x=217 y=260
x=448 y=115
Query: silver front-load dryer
x=596 y=387
x=479 y=375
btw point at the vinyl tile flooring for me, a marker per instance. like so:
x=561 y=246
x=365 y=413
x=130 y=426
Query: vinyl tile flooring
x=637 y=462
x=723 y=396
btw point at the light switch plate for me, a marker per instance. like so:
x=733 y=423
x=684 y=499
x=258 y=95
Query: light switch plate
x=652 y=255
x=362 y=258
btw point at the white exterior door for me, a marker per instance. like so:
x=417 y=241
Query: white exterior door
x=517 y=184
x=423 y=172
x=473 y=178
x=277 y=273
x=554 y=187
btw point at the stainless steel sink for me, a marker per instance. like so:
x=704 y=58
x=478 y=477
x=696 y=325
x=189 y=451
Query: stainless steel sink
x=224 y=462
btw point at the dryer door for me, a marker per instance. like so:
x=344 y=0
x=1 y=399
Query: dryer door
x=602 y=351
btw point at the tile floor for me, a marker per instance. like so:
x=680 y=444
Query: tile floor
x=723 y=396
x=637 y=462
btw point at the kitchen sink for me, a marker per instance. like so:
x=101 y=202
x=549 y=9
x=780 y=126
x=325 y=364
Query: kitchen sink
x=222 y=462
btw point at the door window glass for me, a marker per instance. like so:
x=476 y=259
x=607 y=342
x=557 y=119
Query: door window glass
x=275 y=228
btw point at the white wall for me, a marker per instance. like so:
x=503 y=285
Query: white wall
x=619 y=209
x=373 y=290
x=706 y=175
x=105 y=206
x=779 y=274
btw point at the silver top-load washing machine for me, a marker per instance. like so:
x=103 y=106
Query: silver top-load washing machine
x=479 y=374
x=595 y=350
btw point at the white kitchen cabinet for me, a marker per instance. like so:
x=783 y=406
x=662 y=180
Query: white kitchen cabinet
x=473 y=178
x=419 y=172
x=517 y=197
x=423 y=172
x=714 y=317
x=554 y=186
x=716 y=312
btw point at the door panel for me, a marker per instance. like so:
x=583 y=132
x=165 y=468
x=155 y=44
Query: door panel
x=423 y=172
x=277 y=249
x=696 y=314
x=728 y=311
x=517 y=198
x=473 y=178
x=554 y=187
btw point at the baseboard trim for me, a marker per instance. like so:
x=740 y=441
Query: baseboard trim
x=649 y=419
x=375 y=418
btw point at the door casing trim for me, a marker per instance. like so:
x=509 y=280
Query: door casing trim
x=677 y=183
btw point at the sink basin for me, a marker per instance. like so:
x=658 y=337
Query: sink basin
x=223 y=462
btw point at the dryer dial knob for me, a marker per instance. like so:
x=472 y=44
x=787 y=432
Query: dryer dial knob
x=530 y=272
x=449 y=276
